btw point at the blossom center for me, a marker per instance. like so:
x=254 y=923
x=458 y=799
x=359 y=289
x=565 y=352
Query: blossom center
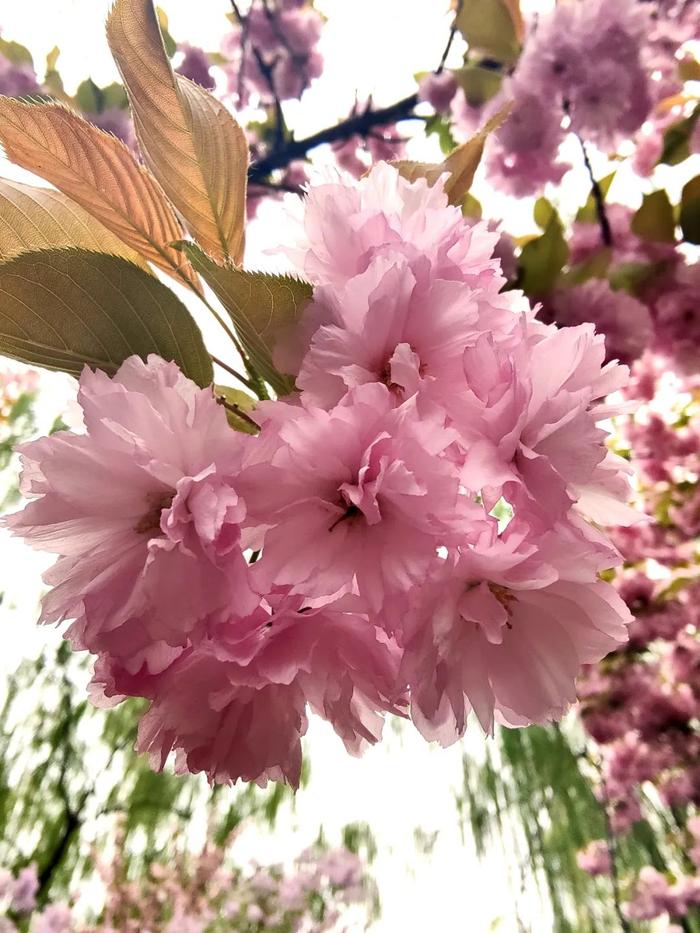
x=504 y=596
x=151 y=520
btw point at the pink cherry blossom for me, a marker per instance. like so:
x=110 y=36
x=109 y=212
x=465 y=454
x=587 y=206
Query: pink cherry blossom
x=503 y=629
x=354 y=497
x=142 y=511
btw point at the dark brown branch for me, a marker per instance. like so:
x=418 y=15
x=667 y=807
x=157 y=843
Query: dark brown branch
x=598 y=198
x=453 y=32
x=355 y=125
x=238 y=412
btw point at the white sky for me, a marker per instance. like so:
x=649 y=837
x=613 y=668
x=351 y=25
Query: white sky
x=369 y=46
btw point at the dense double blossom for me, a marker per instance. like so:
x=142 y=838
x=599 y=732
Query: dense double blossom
x=429 y=401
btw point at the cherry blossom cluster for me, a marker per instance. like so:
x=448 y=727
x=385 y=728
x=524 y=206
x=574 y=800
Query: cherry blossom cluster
x=640 y=705
x=272 y=51
x=593 y=67
x=411 y=532
x=321 y=890
x=646 y=301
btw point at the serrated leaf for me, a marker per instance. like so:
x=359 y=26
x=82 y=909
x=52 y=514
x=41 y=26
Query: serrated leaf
x=43 y=218
x=690 y=211
x=98 y=172
x=194 y=147
x=542 y=260
x=63 y=308
x=588 y=213
x=494 y=27
x=654 y=220
x=264 y=309
x=460 y=165
x=677 y=139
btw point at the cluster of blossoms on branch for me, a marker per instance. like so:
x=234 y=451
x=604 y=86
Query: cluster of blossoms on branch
x=640 y=705
x=412 y=530
x=322 y=890
x=603 y=70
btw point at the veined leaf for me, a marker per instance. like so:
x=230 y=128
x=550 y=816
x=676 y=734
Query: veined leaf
x=43 y=218
x=98 y=172
x=63 y=308
x=194 y=147
x=460 y=165
x=264 y=308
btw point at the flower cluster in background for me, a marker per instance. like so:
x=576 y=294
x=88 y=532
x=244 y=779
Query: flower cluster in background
x=323 y=889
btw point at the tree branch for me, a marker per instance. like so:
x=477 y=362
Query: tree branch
x=453 y=32
x=359 y=124
x=598 y=198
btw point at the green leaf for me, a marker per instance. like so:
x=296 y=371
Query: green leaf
x=15 y=53
x=437 y=125
x=654 y=220
x=542 y=259
x=478 y=82
x=88 y=97
x=168 y=41
x=690 y=211
x=630 y=276
x=689 y=69
x=587 y=213
x=543 y=212
x=677 y=139
x=471 y=207
x=494 y=27
x=594 y=266
x=53 y=80
x=241 y=400
x=63 y=308
x=264 y=308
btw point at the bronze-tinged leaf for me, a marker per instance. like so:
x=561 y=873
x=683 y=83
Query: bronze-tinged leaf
x=264 y=309
x=42 y=218
x=63 y=308
x=194 y=147
x=461 y=164
x=99 y=173
x=654 y=221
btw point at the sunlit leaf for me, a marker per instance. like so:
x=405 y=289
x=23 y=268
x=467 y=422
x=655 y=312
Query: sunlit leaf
x=494 y=27
x=194 y=147
x=43 y=218
x=98 y=172
x=478 y=82
x=460 y=165
x=63 y=308
x=264 y=309
x=15 y=53
x=690 y=211
x=589 y=213
x=654 y=220
x=543 y=212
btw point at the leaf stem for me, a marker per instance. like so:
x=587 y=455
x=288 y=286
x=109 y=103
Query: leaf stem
x=453 y=31
x=232 y=371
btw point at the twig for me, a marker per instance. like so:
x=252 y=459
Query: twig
x=237 y=411
x=598 y=198
x=232 y=371
x=357 y=124
x=453 y=32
